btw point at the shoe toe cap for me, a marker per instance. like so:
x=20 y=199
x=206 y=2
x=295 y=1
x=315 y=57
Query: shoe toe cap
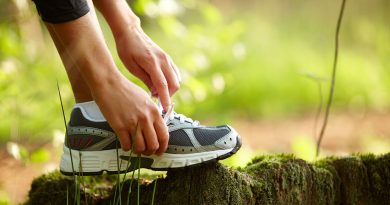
x=228 y=141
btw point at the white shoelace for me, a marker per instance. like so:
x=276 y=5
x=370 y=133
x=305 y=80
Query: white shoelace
x=183 y=119
x=171 y=115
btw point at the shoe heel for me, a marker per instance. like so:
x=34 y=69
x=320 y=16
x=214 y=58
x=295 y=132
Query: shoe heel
x=91 y=162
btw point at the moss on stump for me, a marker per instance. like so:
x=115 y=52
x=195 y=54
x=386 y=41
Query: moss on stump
x=274 y=179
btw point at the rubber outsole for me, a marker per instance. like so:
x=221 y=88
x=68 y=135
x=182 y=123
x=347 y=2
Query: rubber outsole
x=147 y=162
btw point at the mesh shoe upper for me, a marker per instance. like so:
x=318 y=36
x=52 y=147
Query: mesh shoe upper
x=188 y=136
x=185 y=135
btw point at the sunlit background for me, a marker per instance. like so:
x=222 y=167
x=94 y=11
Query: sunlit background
x=262 y=66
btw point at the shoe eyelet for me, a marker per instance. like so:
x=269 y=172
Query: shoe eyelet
x=231 y=139
x=224 y=142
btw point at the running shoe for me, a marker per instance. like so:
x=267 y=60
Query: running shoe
x=91 y=146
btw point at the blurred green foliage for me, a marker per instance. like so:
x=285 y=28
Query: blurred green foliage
x=304 y=148
x=4 y=198
x=254 y=59
x=40 y=155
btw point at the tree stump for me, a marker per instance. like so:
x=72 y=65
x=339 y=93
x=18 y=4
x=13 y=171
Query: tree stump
x=273 y=179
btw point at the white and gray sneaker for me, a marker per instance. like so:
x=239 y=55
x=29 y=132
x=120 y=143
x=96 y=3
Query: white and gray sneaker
x=92 y=147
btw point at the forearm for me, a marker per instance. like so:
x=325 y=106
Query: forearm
x=81 y=45
x=141 y=56
x=119 y=16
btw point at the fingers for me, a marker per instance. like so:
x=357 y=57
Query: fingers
x=162 y=135
x=159 y=83
x=154 y=92
x=149 y=137
x=175 y=69
x=124 y=139
x=137 y=71
x=139 y=143
x=151 y=141
x=171 y=74
x=141 y=74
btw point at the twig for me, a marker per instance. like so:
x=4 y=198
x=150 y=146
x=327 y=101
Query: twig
x=319 y=109
x=333 y=80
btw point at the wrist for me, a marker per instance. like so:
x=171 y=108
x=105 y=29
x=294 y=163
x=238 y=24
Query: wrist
x=101 y=72
x=118 y=15
x=130 y=25
x=102 y=83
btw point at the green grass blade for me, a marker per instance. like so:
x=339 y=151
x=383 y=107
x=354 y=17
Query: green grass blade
x=117 y=181
x=128 y=162
x=138 y=180
x=131 y=183
x=80 y=180
x=67 y=195
x=66 y=137
x=133 y=141
x=154 y=191
x=119 y=186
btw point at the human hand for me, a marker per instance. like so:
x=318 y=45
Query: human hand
x=138 y=52
x=146 y=60
x=129 y=109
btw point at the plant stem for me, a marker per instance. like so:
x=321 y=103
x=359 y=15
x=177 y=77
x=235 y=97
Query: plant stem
x=333 y=81
x=138 y=186
x=154 y=190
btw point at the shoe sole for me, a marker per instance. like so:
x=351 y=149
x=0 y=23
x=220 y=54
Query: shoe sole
x=117 y=161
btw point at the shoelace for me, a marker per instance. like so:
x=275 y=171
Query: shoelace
x=183 y=119
x=171 y=115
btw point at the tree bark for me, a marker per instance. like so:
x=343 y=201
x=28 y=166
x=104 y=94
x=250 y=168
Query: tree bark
x=275 y=179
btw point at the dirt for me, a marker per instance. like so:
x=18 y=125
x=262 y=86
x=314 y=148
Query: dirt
x=16 y=176
x=346 y=133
